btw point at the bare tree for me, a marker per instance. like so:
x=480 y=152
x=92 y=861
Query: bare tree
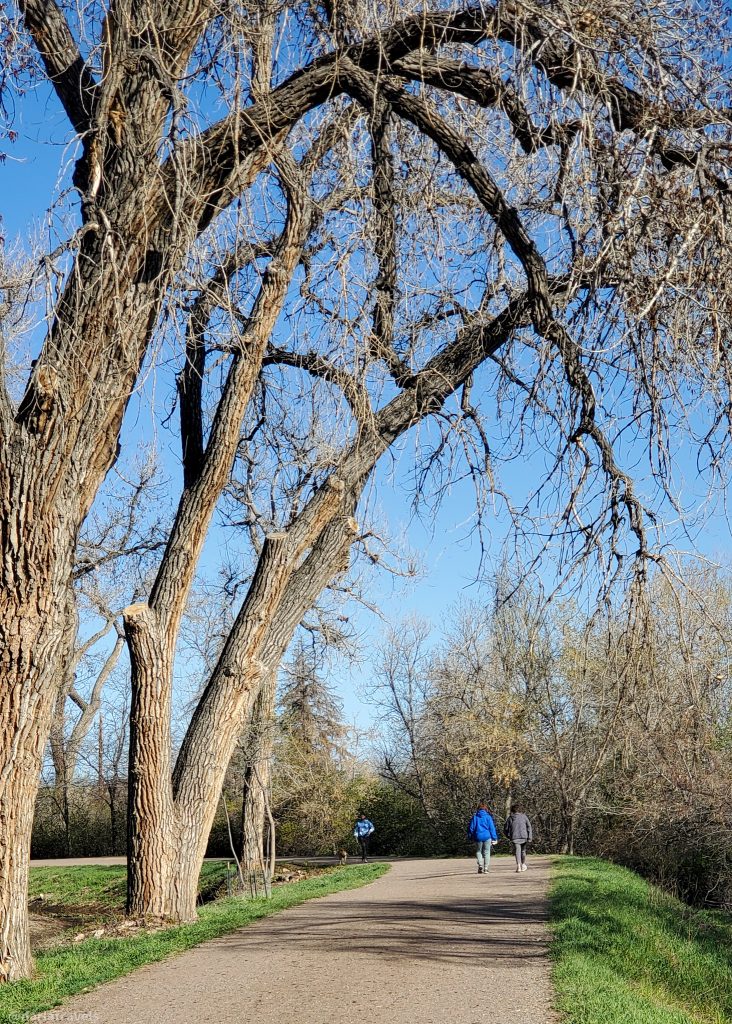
x=401 y=694
x=576 y=693
x=114 y=546
x=539 y=217
x=66 y=743
x=113 y=773
x=674 y=760
x=454 y=730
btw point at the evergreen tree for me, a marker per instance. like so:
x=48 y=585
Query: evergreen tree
x=310 y=712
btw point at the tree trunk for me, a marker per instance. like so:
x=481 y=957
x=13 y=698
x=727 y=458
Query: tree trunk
x=66 y=815
x=257 y=778
x=17 y=799
x=151 y=851
x=18 y=792
x=113 y=826
x=569 y=823
x=31 y=645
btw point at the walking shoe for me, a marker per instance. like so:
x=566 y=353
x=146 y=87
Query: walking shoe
x=518 y=870
x=524 y=867
x=480 y=871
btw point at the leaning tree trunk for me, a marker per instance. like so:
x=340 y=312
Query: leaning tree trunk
x=169 y=827
x=257 y=778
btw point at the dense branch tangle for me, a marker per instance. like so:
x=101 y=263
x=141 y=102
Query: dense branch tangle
x=551 y=183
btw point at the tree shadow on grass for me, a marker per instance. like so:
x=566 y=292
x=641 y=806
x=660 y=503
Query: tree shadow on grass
x=612 y=917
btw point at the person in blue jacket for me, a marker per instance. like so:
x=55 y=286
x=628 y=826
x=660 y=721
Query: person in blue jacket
x=362 y=832
x=482 y=830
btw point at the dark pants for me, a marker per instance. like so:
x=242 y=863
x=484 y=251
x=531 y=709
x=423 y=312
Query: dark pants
x=363 y=842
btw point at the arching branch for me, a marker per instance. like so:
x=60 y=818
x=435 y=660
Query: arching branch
x=66 y=68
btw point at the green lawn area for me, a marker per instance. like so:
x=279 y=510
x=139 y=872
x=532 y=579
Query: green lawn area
x=97 y=885
x=626 y=953
x=66 y=970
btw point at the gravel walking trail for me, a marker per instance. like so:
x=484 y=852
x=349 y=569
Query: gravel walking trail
x=431 y=942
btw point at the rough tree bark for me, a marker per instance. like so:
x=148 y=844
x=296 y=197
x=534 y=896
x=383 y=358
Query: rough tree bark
x=37 y=552
x=259 y=747
x=171 y=817
x=58 y=443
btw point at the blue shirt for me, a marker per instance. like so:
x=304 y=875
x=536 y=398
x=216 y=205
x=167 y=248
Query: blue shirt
x=482 y=827
x=363 y=828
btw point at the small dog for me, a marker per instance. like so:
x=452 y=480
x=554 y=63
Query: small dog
x=343 y=855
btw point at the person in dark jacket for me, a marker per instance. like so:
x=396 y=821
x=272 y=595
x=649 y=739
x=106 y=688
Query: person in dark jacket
x=482 y=831
x=518 y=830
x=363 y=830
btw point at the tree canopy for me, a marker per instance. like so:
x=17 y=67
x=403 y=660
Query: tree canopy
x=340 y=221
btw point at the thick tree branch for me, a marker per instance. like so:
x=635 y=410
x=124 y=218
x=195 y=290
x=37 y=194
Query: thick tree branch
x=215 y=154
x=328 y=556
x=204 y=489
x=385 y=242
x=487 y=89
x=67 y=71
x=232 y=138
x=237 y=671
x=364 y=87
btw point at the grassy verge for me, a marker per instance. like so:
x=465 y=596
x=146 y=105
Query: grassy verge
x=66 y=970
x=626 y=953
x=100 y=886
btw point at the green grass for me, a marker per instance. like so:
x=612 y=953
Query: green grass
x=100 y=886
x=66 y=970
x=626 y=953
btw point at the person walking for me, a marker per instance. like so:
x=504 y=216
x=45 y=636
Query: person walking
x=363 y=830
x=518 y=830
x=482 y=830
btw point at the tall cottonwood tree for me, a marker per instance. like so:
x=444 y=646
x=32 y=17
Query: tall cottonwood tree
x=536 y=223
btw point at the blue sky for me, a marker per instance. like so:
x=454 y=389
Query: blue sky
x=449 y=551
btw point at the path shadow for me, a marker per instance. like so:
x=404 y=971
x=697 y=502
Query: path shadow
x=444 y=932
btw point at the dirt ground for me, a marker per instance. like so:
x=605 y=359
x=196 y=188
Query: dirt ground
x=45 y=929
x=432 y=942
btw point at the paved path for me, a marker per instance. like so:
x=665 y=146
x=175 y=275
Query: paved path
x=432 y=942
